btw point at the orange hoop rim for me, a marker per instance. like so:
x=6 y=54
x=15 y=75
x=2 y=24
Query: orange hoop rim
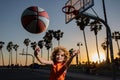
x=69 y=8
x=74 y=11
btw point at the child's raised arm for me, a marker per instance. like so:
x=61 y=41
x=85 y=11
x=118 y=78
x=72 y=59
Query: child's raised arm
x=73 y=54
x=41 y=60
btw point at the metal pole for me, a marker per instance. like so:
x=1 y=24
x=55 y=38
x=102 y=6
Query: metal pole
x=118 y=46
x=80 y=54
x=104 y=10
x=29 y=55
x=109 y=39
x=86 y=49
x=105 y=17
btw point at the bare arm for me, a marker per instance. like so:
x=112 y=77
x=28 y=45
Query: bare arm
x=75 y=52
x=41 y=60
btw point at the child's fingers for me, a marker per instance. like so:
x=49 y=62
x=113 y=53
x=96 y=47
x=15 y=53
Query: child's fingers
x=78 y=51
x=37 y=50
x=74 y=52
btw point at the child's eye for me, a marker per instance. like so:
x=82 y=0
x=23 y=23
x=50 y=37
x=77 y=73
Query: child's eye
x=62 y=55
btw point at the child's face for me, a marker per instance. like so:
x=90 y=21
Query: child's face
x=60 y=56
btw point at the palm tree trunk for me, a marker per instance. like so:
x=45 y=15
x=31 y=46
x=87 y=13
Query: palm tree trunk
x=58 y=42
x=26 y=56
x=16 y=57
x=79 y=55
x=48 y=54
x=77 y=60
x=107 y=57
x=41 y=53
x=97 y=48
x=86 y=48
x=11 y=58
x=2 y=57
x=51 y=46
x=118 y=48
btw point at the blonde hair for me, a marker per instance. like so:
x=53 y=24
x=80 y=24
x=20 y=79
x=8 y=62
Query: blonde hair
x=58 y=49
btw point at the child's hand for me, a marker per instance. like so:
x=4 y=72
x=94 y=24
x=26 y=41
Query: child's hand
x=75 y=52
x=36 y=52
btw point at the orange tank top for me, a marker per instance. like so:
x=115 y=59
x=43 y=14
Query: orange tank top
x=58 y=72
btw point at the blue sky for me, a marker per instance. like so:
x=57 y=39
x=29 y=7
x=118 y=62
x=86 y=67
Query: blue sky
x=11 y=28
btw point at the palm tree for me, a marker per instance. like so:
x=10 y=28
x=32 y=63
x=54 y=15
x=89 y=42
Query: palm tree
x=26 y=42
x=41 y=44
x=15 y=47
x=48 y=37
x=9 y=48
x=57 y=35
x=82 y=22
x=48 y=46
x=116 y=36
x=33 y=45
x=96 y=26
x=48 y=40
x=1 y=46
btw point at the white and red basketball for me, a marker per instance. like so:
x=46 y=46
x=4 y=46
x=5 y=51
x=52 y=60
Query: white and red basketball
x=35 y=19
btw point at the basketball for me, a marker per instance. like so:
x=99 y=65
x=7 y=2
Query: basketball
x=35 y=19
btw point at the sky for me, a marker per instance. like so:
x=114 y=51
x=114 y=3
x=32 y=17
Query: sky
x=11 y=28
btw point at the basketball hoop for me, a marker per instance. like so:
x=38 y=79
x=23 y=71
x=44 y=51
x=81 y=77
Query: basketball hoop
x=69 y=10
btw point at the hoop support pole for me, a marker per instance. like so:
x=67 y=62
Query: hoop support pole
x=109 y=38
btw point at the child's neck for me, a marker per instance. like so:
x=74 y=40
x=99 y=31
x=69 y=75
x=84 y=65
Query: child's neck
x=59 y=62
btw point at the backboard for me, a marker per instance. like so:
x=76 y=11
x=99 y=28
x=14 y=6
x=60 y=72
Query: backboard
x=80 y=5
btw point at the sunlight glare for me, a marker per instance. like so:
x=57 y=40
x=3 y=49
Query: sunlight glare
x=95 y=57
